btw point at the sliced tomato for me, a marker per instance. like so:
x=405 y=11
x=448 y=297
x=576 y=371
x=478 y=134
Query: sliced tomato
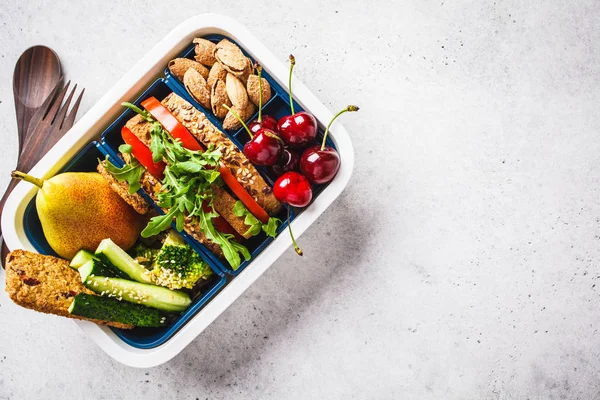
x=170 y=123
x=243 y=195
x=142 y=153
x=178 y=131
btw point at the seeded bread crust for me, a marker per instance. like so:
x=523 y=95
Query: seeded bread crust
x=46 y=284
x=206 y=133
x=122 y=188
x=223 y=202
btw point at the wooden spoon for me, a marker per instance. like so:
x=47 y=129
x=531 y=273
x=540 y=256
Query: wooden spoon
x=36 y=74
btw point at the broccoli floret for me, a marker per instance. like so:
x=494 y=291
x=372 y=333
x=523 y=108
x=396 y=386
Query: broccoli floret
x=143 y=254
x=177 y=265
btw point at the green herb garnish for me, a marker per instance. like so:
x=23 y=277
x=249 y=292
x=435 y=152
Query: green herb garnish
x=130 y=173
x=270 y=228
x=187 y=189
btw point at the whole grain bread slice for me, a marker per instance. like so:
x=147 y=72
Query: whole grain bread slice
x=46 y=284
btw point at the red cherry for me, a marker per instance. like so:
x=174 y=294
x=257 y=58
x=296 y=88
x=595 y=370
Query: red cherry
x=287 y=162
x=320 y=165
x=264 y=148
x=298 y=130
x=267 y=122
x=293 y=189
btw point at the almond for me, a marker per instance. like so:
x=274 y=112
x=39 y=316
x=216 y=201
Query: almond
x=216 y=72
x=231 y=122
x=236 y=92
x=253 y=88
x=243 y=76
x=218 y=97
x=196 y=85
x=231 y=57
x=204 y=51
x=179 y=66
x=248 y=111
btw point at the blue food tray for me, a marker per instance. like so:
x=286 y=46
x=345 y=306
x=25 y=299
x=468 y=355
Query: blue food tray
x=144 y=338
x=110 y=140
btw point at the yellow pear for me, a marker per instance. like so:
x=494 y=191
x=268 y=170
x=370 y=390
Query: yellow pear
x=79 y=209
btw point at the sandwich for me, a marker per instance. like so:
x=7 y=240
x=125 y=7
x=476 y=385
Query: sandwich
x=197 y=176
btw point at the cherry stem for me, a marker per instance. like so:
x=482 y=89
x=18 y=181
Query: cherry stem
x=292 y=63
x=349 y=108
x=239 y=119
x=27 y=178
x=298 y=249
x=259 y=71
x=273 y=136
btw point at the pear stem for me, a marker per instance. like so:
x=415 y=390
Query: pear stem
x=259 y=71
x=298 y=249
x=292 y=63
x=349 y=108
x=239 y=119
x=27 y=178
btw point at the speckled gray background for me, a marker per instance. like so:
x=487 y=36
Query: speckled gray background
x=462 y=260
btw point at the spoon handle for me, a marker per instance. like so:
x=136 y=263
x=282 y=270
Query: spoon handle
x=4 y=253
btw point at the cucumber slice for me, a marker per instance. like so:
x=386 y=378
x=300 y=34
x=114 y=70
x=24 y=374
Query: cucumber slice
x=110 y=253
x=96 y=267
x=81 y=258
x=139 y=293
x=107 y=309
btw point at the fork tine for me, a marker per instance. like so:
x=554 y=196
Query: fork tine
x=43 y=110
x=60 y=115
x=70 y=120
x=57 y=102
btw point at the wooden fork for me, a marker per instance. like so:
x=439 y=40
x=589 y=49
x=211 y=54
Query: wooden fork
x=47 y=126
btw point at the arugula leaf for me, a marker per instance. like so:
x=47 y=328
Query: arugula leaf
x=125 y=148
x=239 y=210
x=270 y=228
x=190 y=166
x=158 y=224
x=145 y=114
x=157 y=148
x=231 y=249
x=130 y=173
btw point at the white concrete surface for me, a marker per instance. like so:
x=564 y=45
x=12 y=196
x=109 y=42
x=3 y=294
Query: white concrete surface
x=461 y=262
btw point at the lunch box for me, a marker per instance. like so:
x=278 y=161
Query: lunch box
x=97 y=135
